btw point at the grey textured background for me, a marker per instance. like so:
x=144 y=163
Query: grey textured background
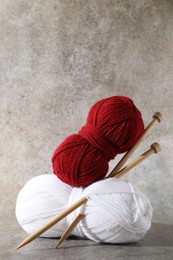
x=57 y=58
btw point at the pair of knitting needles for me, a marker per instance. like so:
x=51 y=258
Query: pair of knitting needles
x=116 y=173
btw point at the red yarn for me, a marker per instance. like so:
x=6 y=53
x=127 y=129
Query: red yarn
x=113 y=126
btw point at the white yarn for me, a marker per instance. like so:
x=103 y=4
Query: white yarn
x=116 y=210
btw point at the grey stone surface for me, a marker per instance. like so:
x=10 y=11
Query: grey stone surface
x=57 y=58
x=156 y=245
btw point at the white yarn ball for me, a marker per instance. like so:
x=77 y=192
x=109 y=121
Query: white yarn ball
x=116 y=210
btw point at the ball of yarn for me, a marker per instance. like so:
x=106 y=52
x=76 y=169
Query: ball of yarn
x=116 y=210
x=113 y=126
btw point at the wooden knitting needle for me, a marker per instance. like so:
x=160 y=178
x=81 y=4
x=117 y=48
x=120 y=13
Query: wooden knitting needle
x=52 y=222
x=154 y=148
x=69 y=230
x=157 y=117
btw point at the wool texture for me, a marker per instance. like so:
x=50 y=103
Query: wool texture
x=113 y=126
x=116 y=210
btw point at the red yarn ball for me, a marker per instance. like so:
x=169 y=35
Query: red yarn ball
x=113 y=126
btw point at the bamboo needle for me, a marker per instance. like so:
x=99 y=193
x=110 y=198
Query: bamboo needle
x=157 y=117
x=69 y=230
x=55 y=220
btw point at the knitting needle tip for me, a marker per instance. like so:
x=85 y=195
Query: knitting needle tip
x=24 y=242
x=69 y=230
x=58 y=244
x=19 y=246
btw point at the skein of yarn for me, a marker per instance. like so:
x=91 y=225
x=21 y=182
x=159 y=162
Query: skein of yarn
x=116 y=210
x=113 y=126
